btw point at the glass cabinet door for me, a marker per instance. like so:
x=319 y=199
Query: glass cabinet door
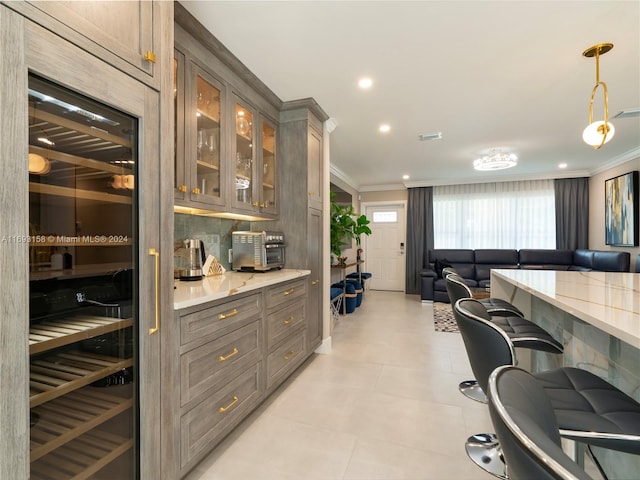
x=244 y=158
x=180 y=176
x=269 y=171
x=206 y=138
x=83 y=343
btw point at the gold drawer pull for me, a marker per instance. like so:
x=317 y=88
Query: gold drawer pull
x=195 y=191
x=315 y=282
x=288 y=320
x=225 y=409
x=289 y=355
x=289 y=292
x=182 y=188
x=232 y=313
x=150 y=56
x=232 y=354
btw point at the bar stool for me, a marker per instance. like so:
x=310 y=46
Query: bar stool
x=507 y=317
x=588 y=408
x=527 y=428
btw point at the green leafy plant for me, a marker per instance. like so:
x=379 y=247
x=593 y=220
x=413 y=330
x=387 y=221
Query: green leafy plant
x=346 y=225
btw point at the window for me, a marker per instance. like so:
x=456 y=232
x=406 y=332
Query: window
x=495 y=215
x=385 y=216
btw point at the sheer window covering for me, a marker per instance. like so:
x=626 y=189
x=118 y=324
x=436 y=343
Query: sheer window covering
x=495 y=215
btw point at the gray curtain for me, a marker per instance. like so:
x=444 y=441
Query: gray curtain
x=572 y=213
x=419 y=235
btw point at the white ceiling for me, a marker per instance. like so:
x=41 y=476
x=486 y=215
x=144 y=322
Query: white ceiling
x=486 y=74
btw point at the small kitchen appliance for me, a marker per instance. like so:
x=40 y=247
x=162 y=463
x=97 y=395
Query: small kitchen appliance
x=258 y=251
x=193 y=256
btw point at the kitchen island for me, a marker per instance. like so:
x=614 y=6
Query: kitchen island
x=596 y=316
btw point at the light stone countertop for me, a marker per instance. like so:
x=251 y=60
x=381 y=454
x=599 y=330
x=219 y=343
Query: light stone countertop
x=190 y=293
x=609 y=301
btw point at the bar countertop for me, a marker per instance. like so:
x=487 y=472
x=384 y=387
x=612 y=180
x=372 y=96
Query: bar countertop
x=609 y=301
x=188 y=294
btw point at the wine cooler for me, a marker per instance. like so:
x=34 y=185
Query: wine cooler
x=83 y=343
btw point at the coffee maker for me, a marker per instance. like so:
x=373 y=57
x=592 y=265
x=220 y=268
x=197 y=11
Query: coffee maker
x=192 y=257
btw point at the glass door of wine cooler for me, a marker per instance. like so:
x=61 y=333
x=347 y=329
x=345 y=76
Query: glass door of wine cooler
x=83 y=281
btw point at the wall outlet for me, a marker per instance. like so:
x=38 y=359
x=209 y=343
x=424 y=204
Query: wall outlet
x=230 y=254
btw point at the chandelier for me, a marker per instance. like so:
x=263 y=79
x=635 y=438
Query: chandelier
x=495 y=160
x=598 y=133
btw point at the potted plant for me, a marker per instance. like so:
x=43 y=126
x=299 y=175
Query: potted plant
x=346 y=225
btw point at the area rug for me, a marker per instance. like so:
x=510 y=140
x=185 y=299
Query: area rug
x=443 y=320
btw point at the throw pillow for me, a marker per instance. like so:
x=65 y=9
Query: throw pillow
x=439 y=265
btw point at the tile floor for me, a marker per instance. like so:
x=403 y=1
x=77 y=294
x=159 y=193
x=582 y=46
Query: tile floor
x=383 y=405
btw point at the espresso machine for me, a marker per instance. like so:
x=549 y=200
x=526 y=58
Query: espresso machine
x=190 y=258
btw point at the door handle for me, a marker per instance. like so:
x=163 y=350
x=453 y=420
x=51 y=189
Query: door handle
x=155 y=253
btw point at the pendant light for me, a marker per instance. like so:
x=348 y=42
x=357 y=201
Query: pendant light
x=598 y=133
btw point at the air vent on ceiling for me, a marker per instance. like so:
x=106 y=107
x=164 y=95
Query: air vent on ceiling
x=430 y=136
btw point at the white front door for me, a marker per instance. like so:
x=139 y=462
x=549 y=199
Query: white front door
x=384 y=249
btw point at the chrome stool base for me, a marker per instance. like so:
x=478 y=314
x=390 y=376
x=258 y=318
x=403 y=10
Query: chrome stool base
x=484 y=450
x=471 y=389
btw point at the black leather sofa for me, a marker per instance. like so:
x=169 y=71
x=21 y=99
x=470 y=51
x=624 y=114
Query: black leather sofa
x=475 y=265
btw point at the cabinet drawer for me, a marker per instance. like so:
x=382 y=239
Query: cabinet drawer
x=219 y=319
x=284 y=359
x=283 y=322
x=202 y=368
x=203 y=426
x=285 y=292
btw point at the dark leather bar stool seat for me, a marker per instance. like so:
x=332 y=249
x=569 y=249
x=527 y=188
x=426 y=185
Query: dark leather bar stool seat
x=524 y=333
x=588 y=408
x=527 y=428
x=457 y=289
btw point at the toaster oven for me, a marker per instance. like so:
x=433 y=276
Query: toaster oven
x=257 y=251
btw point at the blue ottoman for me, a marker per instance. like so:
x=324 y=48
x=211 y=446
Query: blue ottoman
x=358 y=288
x=350 y=297
x=361 y=277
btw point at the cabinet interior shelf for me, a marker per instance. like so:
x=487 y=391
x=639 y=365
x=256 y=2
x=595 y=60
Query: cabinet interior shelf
x=268 y=186
x=208 y=120
x=84 y=162
x=68 y=417
x=80 y=458
x=77 y=193
x=56 y=375
x=207 y=166
x=56 y=333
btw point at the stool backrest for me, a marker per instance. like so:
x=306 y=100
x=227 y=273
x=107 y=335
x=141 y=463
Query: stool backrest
x=487 y=345
x=456 y=287
x=527 y=429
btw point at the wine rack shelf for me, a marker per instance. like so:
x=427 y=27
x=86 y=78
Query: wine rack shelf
x=56 y=375
x=80 y=458
x=56 y=333
x=68 y=417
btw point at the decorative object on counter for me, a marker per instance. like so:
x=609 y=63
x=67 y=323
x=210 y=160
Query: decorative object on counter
x=212 y=267
x=342 y=260
x=346 y=225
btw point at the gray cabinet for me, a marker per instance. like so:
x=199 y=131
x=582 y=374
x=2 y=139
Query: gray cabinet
x=30 y=48
x=226 y=158
x=286 y=330
x=127 y=34
x=200 y=177
x=221 y=359
x=301 y=157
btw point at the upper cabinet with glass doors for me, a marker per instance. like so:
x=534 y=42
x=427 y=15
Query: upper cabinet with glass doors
x=199 y=121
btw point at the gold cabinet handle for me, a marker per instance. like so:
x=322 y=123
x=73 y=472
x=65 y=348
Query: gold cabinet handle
x=230 y=314
x=289 y=292
x=196 y=191
x=312 y=193
x=262 y=205
x=315 y=282
x=155 y=253
x=232 y=354
x=183 y=188
x=255 y=204
x=150 y=56
x=233 y=402
x=288 y=320
x=289 y=355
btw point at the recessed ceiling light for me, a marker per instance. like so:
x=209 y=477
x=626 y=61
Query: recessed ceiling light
x=384 y=128
x=430 y=136
x=562 y=165
x=405 y=177
x=365 y=83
